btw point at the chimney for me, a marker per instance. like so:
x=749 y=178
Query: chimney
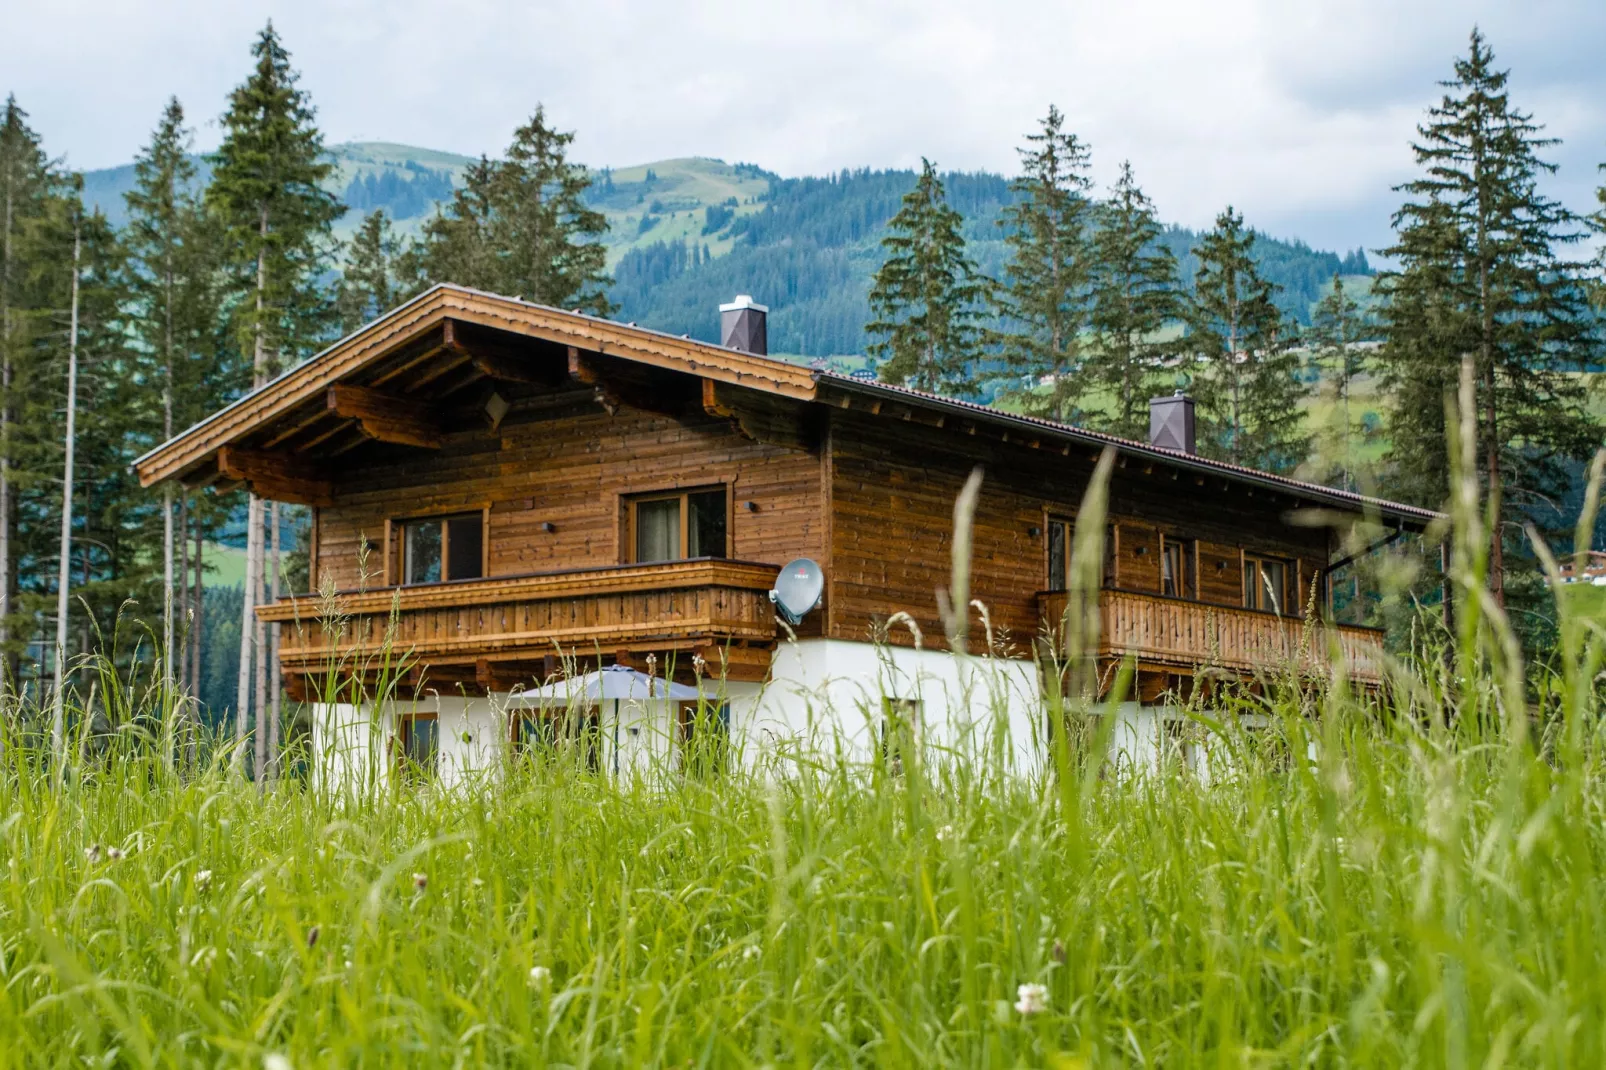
x=741 y=325
x=1171 y=422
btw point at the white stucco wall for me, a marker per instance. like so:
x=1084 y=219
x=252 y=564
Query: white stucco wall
x=824 y=697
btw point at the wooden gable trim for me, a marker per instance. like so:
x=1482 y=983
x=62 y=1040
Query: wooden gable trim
x=432 y=311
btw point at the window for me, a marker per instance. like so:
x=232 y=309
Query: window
x=545 y=735
x=671 y=527
x=1265 y=583
x=417 y=744
x=443 y=548
x=705 y=729
x=1060 y=534
x=1178 y=568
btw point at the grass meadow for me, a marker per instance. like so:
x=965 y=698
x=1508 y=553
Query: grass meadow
x=1406 y=879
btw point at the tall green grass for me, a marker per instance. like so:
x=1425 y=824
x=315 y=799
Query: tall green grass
x=1426 y=891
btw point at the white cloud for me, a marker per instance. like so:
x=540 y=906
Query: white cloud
x=1298 y=113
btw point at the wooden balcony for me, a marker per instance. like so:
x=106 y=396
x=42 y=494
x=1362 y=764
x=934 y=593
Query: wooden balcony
x=457 y=629
x=1184 y=635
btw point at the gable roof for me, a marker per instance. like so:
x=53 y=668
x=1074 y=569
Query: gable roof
x=387 y=347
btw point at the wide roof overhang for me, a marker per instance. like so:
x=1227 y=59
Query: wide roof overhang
x=397 y=379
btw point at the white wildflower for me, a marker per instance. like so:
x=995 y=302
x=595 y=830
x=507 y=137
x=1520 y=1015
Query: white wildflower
x=203 y=879
x=751 y=952
x=114 y=853
x=92 y=853
x=945 y=832
x=540 y=976
x=420 y=881
x=274 y=1061
x=1032 y=999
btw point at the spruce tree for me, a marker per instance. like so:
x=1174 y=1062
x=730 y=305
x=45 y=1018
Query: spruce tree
x=1480 y=277
x=1135 y=296
x=927 y=296
x=367 y=286
x=1043 y=296
x=520 y=226
x=266 y=192
x=31 y=189
x=1245 y=379
x=1336 y=329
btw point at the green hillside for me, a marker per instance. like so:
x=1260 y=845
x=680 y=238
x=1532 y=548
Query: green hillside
x=687 y=234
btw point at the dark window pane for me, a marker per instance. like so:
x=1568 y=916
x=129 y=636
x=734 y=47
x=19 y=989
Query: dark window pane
x=1251 y=585
x=1170 y=568
x=1273 y=580
x=420 y=741
x=658 y=530
x=465 y=547
x=706 y=527
x=1056 y=556
x=1109 y=556
x=421 y=552
x=1190 y=569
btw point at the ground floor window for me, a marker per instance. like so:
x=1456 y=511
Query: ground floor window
x=418 y=745
x=561 y=732
x=704 y=735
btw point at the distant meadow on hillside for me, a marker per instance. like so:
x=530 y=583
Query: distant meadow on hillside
x=687 y=234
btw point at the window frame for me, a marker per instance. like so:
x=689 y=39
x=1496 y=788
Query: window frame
x=577 y=730
x=396 y=545
x=1280 y=604
x=1188 y=558
x=1067 y=526
x=683 y=495
x=406 y=767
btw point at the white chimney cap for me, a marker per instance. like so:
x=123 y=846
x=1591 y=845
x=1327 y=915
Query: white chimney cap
x=744 y=301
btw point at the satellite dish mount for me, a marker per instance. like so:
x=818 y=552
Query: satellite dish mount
x=798 y=589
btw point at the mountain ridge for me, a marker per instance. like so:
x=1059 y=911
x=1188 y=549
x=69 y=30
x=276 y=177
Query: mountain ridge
x=687 y=233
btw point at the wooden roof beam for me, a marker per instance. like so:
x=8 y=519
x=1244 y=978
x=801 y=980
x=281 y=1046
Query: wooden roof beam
x=278 y=477
x=385 y=417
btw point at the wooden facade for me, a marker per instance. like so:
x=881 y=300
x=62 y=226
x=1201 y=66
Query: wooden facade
x=540 y=441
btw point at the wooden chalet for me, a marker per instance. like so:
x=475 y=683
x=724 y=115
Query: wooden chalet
x=521 y=483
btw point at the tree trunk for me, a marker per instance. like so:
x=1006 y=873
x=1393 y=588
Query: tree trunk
x=58 y=705
x=261 y=645
x=274 y=680
x=5 y=444
x=168 y=648
x=253 y=529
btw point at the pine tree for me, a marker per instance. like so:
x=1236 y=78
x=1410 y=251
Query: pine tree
x=367 y=286
x=926 y=297
x=266 y=191
x=1245 y=379
x=30 y=188
x=1480 y=277
x=520 y=226
x=1336 y=329
x=1135 y=296
x=1042 y=298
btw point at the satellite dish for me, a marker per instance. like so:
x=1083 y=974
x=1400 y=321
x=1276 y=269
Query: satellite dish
x=798 y=589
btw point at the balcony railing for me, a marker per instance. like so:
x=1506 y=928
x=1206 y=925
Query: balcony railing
x=1182 y=634
x=677 y=605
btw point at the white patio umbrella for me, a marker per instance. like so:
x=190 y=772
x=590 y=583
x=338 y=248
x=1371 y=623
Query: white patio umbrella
x=620 y=683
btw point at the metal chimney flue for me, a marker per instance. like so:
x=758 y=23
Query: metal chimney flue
x=1171 y=422
x=741 y=325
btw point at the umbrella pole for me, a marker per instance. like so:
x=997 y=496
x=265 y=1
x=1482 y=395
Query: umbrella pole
x=615 y=739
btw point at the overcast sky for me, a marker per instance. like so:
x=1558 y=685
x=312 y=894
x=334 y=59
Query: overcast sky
x=1299 y=112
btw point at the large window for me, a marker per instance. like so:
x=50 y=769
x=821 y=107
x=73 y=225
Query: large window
x=705 y=730
x=1178 y=568
x=443 y=548
x=682 y=524
x=1265 y=583
x=563 y=732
